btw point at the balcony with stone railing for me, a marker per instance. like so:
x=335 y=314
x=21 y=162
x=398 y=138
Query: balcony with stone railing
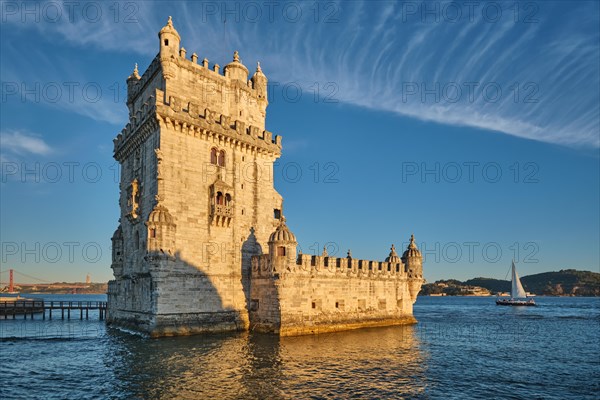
x=221 y=214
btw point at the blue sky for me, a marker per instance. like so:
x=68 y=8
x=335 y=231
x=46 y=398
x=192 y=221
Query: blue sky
x=477 y=128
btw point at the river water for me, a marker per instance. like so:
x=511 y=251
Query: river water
x=462 y=348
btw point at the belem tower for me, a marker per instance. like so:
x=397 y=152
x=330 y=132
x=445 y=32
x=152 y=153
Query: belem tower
x=201 y=247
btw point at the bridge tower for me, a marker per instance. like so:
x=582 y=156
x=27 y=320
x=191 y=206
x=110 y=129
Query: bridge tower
x=11 y=282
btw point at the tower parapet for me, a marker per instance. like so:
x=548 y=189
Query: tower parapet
x=230 y=93
x=314 y=294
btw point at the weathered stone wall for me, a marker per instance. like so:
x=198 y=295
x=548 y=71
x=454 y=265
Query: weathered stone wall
x=187 y=261
x=324 y=294
x=193 y=275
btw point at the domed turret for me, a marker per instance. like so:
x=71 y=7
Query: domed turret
x=161 y=230
x=258 y=76
x=282 y=245
x=259 y=84
x=117 y=252
x=117 y=241
x=169 y=53
x=160 y=215
x=413 y=264
x=132 y=82
x=282 y=233
x=412 y=250
x=393 y=256
x=169 y=39
x=135 y=76
x=236 y=70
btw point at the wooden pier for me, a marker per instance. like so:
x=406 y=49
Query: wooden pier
x=32 y=307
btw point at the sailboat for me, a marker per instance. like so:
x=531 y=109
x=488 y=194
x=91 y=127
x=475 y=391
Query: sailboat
x=518 y=297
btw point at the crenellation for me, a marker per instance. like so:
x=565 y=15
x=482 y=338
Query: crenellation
x=197 y=248
x=252 y=132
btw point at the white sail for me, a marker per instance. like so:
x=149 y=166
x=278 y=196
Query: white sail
x=516 y=290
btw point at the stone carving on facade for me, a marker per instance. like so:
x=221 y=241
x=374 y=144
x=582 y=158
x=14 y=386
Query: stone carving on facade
x=133 y=201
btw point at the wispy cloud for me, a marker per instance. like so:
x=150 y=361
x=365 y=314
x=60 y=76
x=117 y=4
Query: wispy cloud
x=546 y=69
x=21 y=143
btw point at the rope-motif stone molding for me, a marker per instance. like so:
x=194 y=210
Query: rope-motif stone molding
x=208 y=123
x=205 y=124
x=133 y=135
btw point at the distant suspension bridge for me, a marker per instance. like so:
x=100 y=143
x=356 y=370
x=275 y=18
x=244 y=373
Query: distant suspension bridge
x=13 y=306
x=36 y=281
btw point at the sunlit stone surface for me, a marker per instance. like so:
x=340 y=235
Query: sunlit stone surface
x=202 y=243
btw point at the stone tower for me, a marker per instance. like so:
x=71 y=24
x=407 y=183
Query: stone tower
x=196 y=194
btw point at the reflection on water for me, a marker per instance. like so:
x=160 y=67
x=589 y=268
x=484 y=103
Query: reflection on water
x=462 y=348
x=383 y=362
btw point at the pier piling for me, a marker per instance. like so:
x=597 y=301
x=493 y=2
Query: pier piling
x=32 y=307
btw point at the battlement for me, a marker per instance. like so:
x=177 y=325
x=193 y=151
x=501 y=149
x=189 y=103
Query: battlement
x=203 y=70
x=194 y=99
x=195 y=120
x=263 y=266
x=184 y=85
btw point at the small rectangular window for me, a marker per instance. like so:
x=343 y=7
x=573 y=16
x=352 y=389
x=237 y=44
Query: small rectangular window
x=362 y=305
x=277 y=213
x=281 y=251
x=166 y=42
x=314 y=305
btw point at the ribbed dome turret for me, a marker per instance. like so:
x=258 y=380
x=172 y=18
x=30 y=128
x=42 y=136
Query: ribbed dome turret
x=134 y=75
x=160 y=215
x=170 y=29
x=412 y=250
x=258 y=74
x=393 y=257
x=235 y=69
x=282 y=233
x=118 y=235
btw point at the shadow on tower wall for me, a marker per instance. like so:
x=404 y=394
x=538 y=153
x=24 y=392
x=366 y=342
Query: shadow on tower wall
x=250 y=248
x=174 y=298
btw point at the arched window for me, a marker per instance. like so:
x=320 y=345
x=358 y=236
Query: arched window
x=221 y=162
x=220 y=199
x=136 y=240
x=281 y=251
x=213 y=156
x=227 y=199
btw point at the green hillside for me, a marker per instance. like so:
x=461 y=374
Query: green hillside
x=564 y=282
x=567 y=282
x=493 y=285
